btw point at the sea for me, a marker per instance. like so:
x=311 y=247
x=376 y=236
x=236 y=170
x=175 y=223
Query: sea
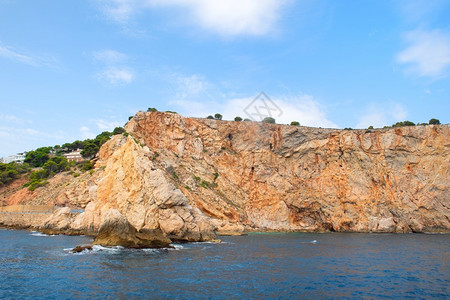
x=257 y=266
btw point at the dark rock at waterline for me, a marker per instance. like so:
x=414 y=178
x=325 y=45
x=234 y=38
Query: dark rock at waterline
x=79 y=249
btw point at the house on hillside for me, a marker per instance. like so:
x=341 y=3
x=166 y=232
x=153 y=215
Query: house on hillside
x=18 y=158
x=74 y=155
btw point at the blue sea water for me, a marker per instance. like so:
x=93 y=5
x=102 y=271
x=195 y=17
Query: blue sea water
x=269 y=265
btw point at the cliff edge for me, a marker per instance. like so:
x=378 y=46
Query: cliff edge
x=171 y=178
x=281 y=177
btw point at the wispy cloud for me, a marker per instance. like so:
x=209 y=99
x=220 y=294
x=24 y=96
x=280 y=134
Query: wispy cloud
x=382 y=114
x=109 y=56
x=115 y=71
x=427 y=53
x=224 y=17
x=116 y=76
x=420 y=10
x=86 y=133
x=195 y=96
x=103 y=125
x=14 y=119
x=15 y=139
x=32 y=60
x=302 y=108
x=119 y=10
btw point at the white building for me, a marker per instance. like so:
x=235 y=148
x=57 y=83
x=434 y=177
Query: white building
x=18 y=158
x=74 y=155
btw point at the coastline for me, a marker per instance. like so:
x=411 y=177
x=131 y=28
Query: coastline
x=70 y=232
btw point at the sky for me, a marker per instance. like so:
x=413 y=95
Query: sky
x=72 y=69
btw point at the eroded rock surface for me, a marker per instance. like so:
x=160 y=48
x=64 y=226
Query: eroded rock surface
x=280 y=177
x=182 y=179
x=115 y=230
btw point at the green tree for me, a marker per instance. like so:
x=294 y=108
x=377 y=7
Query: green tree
x=370 y=127
x=238 y=119
x=39 y=175
x=404 y=123
x=295 y=123
x=118 y=130
x=90 y=150
x=151 y=109
x=218 y=116
x=269 y=120
x=434 y=122
x=102 y=138
x=38 y=157
x=247 y=120
x=51 y=167
x=77 y=145
x=210 y=117
x=11 y=171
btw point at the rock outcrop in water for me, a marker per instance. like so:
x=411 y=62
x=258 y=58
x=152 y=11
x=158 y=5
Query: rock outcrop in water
x=133 y=204
x=115 y=230
x=181 y=179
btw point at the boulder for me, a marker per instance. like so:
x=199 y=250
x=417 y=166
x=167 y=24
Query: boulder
x=115 y=230
x=79 y=249
x=58 y=222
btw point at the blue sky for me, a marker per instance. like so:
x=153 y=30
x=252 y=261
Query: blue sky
x=71 y=69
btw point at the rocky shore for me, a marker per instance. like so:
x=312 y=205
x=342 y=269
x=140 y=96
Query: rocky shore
x=172 y=178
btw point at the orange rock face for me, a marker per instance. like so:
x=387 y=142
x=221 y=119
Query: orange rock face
x=281 y=177
x=185 y=178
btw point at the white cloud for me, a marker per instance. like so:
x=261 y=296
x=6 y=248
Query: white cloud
x=427 y=53
x=35 y=61
x=110 y=57
x=195 y=96
x=418 y=10
x=13 y=55
x=86 y=133
x=13 y=119
x=382 y=114
x=116 y=75
x=225 y=17
x=14 y=140
x=119 y=10
x=104 y=125
x=188 y=86
x=115 y=71
x=303 y=108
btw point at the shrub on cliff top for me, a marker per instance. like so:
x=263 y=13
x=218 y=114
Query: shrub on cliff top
x=269 y=120
x=434 y=122
x=218 y=116
x=404 y=123
x=295 y=123
x=118 y=130
x=238 y=119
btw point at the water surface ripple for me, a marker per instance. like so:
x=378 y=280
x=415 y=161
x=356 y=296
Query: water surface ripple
x=286 y=266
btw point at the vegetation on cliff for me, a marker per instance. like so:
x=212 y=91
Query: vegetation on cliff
x=51 y=161
x=12 y=171
x=192 y=178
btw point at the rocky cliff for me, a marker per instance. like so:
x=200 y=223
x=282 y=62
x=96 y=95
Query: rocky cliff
x=280 y=177
x=175 y=178
x=131 y=202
